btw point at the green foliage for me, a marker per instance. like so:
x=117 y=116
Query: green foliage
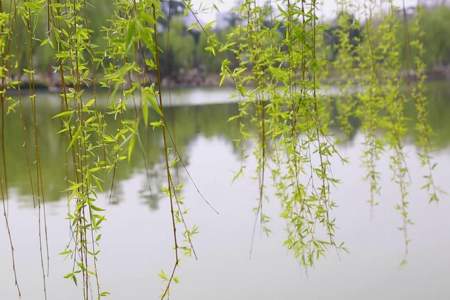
x=345 y=65
x=278 y=75
x=435 y=25
x=277 y=59
x=127 y=60
x=423 y=128
x=383 y=96
x=178 y=48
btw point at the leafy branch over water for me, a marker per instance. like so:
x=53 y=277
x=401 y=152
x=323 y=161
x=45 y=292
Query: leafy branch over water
x=277 y=68
x=276 y=56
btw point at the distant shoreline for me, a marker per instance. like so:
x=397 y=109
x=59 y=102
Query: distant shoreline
x=190 y=79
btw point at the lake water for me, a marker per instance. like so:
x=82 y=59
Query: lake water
x=137 y=243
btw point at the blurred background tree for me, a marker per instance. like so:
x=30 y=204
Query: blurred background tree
x=183 y=49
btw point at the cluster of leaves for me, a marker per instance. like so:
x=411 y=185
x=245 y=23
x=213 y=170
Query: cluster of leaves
x=84 y=128
x=434 y=23
x=95 y=149
x=344 y=64
x=377 y=96
x=184 y=49
x=277 y=68
x=423 y=127
x=126 y=63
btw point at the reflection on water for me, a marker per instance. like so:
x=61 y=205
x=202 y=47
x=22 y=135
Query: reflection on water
x=137 y=241
x=188 y=122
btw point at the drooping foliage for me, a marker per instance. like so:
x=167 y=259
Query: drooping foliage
x=279 y=61
x=277 y=57
x=130 y=56
x=278 y=75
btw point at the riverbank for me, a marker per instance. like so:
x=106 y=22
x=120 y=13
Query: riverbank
x=183 y=79
x=193 y=78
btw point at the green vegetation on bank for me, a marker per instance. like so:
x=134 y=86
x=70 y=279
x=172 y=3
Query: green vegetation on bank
x=184 y=56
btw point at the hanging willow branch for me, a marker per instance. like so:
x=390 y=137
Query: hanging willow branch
x=6 y=21
x=292 y=116
x=276 y=60
x=29 y=11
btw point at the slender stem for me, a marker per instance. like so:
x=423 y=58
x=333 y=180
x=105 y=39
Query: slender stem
x=166 y=159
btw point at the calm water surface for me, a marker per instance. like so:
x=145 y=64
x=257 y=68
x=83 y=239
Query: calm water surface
x=136 y=242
